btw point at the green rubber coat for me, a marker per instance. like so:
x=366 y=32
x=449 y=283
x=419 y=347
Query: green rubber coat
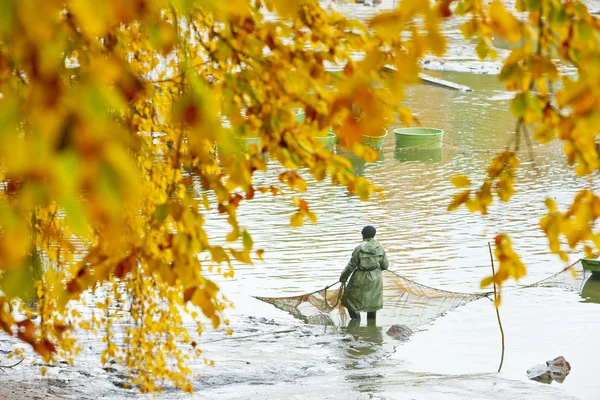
x=364 y=292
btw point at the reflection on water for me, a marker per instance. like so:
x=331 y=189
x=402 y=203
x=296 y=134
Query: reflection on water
x=366 y=341
x=359 y=165
x=427 y=156
x=591 y=289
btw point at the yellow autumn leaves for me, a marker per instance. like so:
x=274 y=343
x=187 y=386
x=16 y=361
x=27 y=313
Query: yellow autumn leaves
x=510 y=265
x=575 y=224
x=500 y=180
x=120 y=130
x=547 y=105
x=113 y=145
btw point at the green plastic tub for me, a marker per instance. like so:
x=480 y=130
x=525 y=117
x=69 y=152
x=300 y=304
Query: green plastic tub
x=328 y=141
x=300 y=116
x=375 y=141
x=591 y=264
x=426 y=138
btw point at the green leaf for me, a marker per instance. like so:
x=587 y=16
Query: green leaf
x=558 y=16
x=536 y=105
x=247 y=240
x=182 y=5
x=584 y=31
x=7 y=15
x=108 y=184
x=161 y=212
x=76 y=218
x=507 y=71
x=518 y=105
x=18 y=282
x=9 y=115
x=68 y=170
x=533 y=5
x=482 y=49
x=37 y=270
x=464 y=7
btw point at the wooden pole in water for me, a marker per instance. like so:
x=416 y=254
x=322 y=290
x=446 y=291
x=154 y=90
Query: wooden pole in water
x=496 y=307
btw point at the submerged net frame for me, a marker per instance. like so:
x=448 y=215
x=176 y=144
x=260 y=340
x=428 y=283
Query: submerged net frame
x=409 y=303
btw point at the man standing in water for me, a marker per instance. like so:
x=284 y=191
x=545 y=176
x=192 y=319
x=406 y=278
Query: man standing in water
x=364 y=292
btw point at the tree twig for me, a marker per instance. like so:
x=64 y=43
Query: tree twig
x=529 y=141
x=11 y=366
x=518 y=135
x=496 y=306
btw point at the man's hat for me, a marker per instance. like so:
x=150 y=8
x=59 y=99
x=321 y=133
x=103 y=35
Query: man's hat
x=368 y=232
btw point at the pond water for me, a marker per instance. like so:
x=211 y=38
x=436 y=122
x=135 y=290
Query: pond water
x=437 y=248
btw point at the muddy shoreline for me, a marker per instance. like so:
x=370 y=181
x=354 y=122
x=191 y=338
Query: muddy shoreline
x=273 y=358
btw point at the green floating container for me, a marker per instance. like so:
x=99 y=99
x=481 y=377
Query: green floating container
x=591 y=264
x=426 y=138
x=375 y=141
x=300 y=116
x=328 y=141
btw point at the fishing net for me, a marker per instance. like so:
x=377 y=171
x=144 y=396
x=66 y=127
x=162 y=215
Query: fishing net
x=322 y=307
x=408 y=302
x=413 y=304
x=572 y=277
